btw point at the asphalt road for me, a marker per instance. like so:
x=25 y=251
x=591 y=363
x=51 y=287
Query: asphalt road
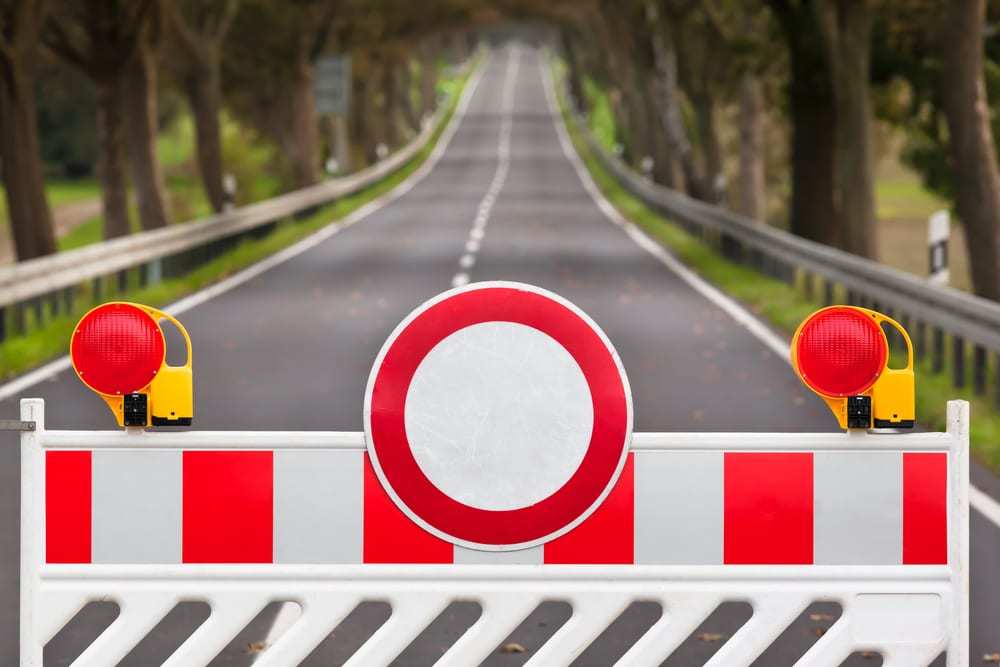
x=292 y=349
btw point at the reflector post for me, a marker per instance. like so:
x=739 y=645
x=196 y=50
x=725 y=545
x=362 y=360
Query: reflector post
x=118 y=350
x=842 y=354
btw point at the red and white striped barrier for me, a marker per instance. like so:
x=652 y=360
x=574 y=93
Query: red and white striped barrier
x=878 y=523
x=676 y=504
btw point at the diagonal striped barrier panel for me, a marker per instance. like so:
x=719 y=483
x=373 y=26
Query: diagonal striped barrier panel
x=875 y=522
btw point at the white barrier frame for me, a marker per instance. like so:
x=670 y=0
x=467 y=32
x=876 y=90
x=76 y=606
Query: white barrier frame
x=52 y=594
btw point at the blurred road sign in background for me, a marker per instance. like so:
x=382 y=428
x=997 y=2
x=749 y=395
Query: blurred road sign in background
x=332 y=84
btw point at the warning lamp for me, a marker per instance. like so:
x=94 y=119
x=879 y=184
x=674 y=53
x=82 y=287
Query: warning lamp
x=118 y=350
x=842 y=354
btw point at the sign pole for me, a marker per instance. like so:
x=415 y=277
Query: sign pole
x=333 y=98
x=340 y=145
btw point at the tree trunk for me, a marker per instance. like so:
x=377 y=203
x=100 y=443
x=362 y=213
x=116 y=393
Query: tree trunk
x=667 y=94
x=111 y=156
x=973 y=152
x=360 y=120
x=846 y=27
x=204 y=93
x=666 y=168
x=712 y=187
x=811 y=104
x=304 y=132
x=753 y=195
x=404 y=81
x=390 y=108
x=428 y=80
x=374 y=127
x=638 y=142
x=27 y=207
x=140 y=99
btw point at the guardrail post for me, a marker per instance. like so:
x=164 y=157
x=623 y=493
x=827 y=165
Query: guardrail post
x=122 y=281
x=921 y=340
x=39 y=308
x=154 y=272
x=68 y=294
x=731 y=248
x=827 y=292
x=996 y=398
x=979 y=370
x=19 y=320
x=958 y=361
x=937 y=351
x=97 y=290
x=807 y=284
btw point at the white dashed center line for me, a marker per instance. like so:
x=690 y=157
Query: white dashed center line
x=468 y=260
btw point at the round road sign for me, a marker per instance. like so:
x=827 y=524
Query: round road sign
x=498 y=416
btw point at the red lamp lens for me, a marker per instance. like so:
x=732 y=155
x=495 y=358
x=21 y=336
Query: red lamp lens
x=840 y=352
x=117 y=348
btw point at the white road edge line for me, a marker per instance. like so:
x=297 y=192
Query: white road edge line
x=468 y=260
x=985 y=503
x=979 y=499
x=53 y=368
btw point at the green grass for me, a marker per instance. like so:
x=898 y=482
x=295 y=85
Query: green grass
x=59 y=194
x=784 y=306
x=176 y=143
x=69 y=192
x=83 y=234
x=187 y=199
x=900 y=194
x=601 y=118
x=22 y=353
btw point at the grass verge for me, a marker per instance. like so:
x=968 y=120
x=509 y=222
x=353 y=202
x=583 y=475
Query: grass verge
x=50 y=340
x=784 y=306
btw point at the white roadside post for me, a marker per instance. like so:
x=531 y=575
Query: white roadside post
x=229 y=190
x=938 y=231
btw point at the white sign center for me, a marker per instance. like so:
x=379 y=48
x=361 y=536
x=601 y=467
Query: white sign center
x=498 y=415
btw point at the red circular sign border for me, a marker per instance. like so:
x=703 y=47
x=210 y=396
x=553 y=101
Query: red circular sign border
x=409 y=487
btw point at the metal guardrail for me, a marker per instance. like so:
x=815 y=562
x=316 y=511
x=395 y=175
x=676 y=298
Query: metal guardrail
x=964 y=318
x=29 y=284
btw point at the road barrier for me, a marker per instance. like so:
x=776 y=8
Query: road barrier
x=877 y=523
x=939 y=316
x=497 y=467
x=50 y=283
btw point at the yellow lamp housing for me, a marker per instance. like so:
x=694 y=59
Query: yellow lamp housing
x=118 y=350
x=842 y=354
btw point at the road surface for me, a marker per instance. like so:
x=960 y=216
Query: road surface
x=292 y=348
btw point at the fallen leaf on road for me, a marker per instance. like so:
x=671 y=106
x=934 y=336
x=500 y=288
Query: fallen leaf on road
x=819 y=632
x=870 y=655
x=820 y=617
x=512 y=648
x=708 y=636
x=992 y=657
x=256 y=647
